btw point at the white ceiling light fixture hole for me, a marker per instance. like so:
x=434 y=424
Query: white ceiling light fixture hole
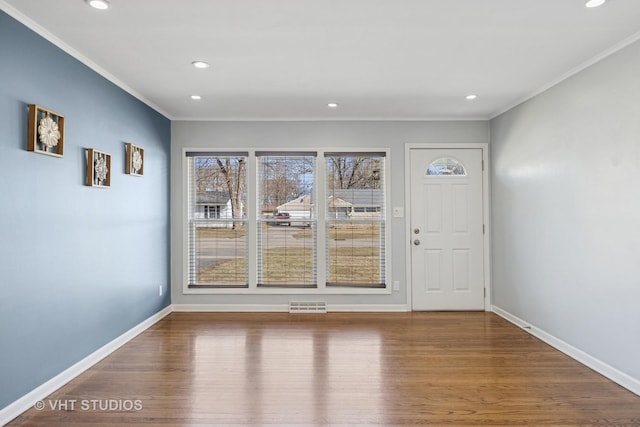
x=332 y=105
x=200 y=64
x=594 y=3
x=98 y=4
x=196 y=97
x=470 y=97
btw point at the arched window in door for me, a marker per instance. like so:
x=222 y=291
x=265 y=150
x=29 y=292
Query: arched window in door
x=445 y=166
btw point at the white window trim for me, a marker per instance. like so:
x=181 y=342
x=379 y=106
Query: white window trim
x=321 y=288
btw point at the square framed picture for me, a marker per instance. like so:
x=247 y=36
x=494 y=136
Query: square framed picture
x=46 y=131
x=98 y=169
x=135 y=160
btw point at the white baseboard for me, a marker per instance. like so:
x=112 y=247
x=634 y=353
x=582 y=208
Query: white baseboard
x=230 y=308
x=27 y=401
x=619 y=377
x=365 y=308
x=284 y=308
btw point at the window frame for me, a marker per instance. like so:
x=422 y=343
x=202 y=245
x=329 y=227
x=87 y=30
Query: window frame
x=196 y=153
x=252 y=221
x=261 y=221
x=357 y=217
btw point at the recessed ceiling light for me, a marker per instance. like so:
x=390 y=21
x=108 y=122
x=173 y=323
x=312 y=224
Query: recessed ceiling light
x=98 y=4
x=595 y=3
x=196 y=97
x=200 y=64
x=471 y=97
x=332 y=105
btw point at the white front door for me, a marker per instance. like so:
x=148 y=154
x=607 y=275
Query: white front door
x=447 y=242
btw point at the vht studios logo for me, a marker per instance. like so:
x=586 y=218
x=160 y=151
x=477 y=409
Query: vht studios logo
x=106 y=405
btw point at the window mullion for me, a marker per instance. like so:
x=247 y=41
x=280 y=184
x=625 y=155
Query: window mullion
x=252 y=194
x=321 y=210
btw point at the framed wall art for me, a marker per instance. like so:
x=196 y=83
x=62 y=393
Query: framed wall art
x=46 y=131
x=135 y=160
x=98 y=169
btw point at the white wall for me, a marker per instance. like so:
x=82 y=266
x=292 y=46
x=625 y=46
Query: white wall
x=566 y=211
x=310 y=135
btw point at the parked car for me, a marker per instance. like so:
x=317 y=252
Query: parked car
x=282 y=218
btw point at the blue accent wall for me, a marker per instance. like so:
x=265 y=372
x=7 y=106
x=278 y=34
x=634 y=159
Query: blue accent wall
x=79 y=266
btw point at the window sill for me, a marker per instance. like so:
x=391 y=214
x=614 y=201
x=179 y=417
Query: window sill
x=286 y=291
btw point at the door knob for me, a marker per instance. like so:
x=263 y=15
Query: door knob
x=416 y=242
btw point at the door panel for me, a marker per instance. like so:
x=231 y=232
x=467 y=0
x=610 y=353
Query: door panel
x=433 y=261
x=460 y=209
x=433 y=215
x=461 y=270
x=447 y=255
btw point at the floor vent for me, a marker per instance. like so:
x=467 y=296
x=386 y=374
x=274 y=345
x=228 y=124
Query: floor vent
x=307 y=307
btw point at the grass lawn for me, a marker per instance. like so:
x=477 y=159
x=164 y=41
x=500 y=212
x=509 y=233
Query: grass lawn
x=357 y=231
x=343 y=232
x=347 y=266
x=220 y=232
x=354 y=266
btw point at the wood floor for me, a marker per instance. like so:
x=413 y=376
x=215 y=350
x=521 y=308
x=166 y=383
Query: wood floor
x=197 y=369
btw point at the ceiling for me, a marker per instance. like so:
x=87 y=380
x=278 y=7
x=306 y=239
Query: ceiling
x=378 y=59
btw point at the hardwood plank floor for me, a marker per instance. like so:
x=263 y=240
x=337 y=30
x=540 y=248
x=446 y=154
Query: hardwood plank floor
x=210 y=369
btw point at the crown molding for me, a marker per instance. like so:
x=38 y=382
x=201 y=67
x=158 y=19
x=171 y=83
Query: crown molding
x=594 y=60
x=47 y=35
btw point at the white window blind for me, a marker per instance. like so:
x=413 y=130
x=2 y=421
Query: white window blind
x=278 y=209
x=286 y=219
x=355 y=220
x=217 y=220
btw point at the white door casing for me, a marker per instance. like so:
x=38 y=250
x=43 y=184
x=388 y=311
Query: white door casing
x=446 y=231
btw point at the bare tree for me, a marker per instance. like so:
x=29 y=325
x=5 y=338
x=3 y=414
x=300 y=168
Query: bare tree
x=234 y=175
x=207 y=175
x=354 y=172
x=224 y=174
x=284 y=179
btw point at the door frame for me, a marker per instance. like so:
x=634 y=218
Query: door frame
x=486 y=211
